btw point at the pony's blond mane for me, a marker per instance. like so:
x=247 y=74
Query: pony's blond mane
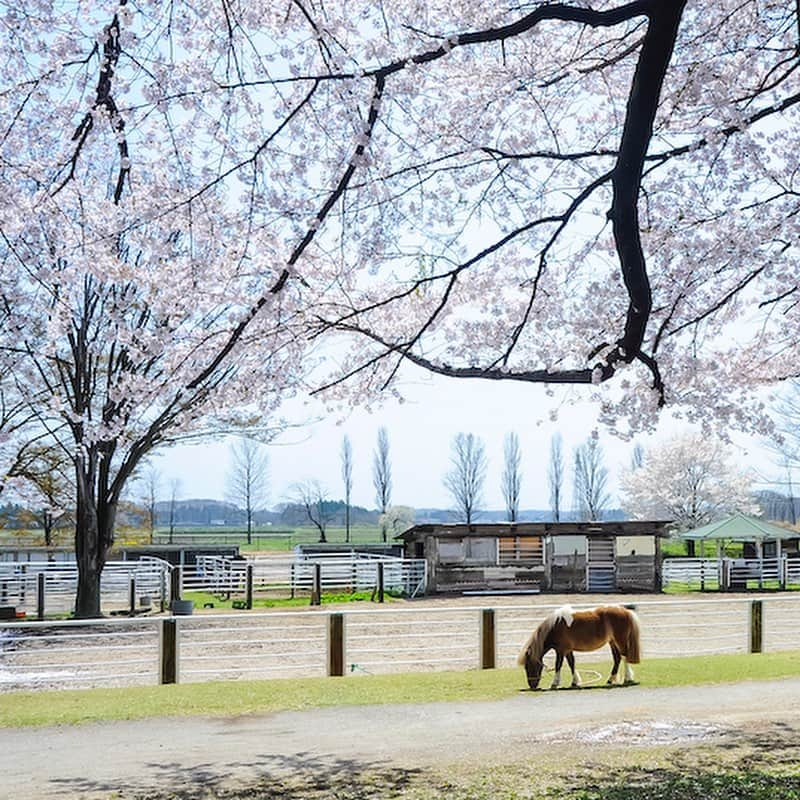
x=534 y=647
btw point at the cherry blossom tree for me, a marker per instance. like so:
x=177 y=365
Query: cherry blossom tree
x=581 y=195
x=690 y=479
x=553 y=193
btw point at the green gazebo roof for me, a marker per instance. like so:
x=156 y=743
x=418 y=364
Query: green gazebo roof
x=742 y=528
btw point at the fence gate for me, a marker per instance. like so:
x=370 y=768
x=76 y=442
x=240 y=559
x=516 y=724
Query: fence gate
x=600 y=565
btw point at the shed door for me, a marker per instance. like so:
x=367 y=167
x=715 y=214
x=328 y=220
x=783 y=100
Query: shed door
x=600 y=565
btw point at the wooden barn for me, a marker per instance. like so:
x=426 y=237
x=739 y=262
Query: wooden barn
x=539 y=556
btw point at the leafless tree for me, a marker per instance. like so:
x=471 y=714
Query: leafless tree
x=151 y=483
x=248 y=479
x=589 y=493
x=46 y=469
x=382 y=475
x=467 y=474
x=637 y=456
x=313 y=497
x=555 y=475
x=511 y=479
x=346 y=454
x=792 y=514
x=174 y=493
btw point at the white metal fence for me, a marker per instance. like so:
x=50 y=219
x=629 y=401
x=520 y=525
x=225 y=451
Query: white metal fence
x=50 y=587
x=42 y=655
x=730 y=573
x=291 y=577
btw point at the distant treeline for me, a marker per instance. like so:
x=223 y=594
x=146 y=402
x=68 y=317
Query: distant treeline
x=211 y=513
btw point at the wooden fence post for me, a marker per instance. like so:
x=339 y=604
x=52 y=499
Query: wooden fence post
x=380 y=581
x=132 y=595
x=23 y=580
x=176 y=583
x=248 y=597
x=725 y=583
x=40 y=595
x=162 y=590
x=756 y=626
x=169 y=649
x=336 y=645
x=488 y=633
x=316 y=586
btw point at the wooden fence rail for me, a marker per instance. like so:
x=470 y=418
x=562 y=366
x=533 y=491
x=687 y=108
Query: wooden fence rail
x=124 y=652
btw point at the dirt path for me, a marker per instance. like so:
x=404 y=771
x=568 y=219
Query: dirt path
x=206 y=757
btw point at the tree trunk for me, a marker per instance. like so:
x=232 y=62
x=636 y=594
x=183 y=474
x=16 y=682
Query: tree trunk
x=94 y=536
x=90 y=559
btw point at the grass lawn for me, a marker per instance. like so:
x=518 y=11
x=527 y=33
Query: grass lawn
x=208 y=600
x=248 y=697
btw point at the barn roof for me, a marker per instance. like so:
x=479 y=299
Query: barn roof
x=741 y=528
x=615 y=528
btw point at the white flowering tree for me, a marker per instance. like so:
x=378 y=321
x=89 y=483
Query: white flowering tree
x=690 y=479
x=563 y=192
x=544 y=193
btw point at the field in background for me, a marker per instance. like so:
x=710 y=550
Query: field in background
x=264 y=538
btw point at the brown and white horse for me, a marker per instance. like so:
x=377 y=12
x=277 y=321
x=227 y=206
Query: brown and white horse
x=566 y=630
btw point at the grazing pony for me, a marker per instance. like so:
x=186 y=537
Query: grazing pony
x=566 y=630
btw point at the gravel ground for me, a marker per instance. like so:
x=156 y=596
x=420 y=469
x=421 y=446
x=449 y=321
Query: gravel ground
x=381 y=751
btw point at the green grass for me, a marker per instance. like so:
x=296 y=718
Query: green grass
x=248 y=697
x=272 y=539
x=201 y=599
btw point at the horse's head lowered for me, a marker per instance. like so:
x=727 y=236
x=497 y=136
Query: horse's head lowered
x=533 y=668
x=539 y=643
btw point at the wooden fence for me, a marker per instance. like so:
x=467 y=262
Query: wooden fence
x=125 y=652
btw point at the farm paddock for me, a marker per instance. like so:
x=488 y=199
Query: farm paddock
x=427 y=635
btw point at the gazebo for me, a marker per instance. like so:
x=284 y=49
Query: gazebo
x=769 y=552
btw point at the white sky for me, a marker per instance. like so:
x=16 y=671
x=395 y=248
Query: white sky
x=420 y=434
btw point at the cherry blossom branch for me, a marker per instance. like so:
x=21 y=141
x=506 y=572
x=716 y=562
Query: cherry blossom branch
x=104 y=99
x=277 y=287
x=657 y=46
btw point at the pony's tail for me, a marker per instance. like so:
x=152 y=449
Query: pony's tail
x=633 y=656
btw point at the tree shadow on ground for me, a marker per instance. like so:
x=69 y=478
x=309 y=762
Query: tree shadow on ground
x=763 y=764
x=263 y=777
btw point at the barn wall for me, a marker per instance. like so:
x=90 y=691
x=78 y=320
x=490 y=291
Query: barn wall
x=636 y=573
x=568 y=573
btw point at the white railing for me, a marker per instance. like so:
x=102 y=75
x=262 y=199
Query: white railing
x=50 y=587
x=691 y=572
x=291 y=577
x=731 y=573
x=124 y=652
